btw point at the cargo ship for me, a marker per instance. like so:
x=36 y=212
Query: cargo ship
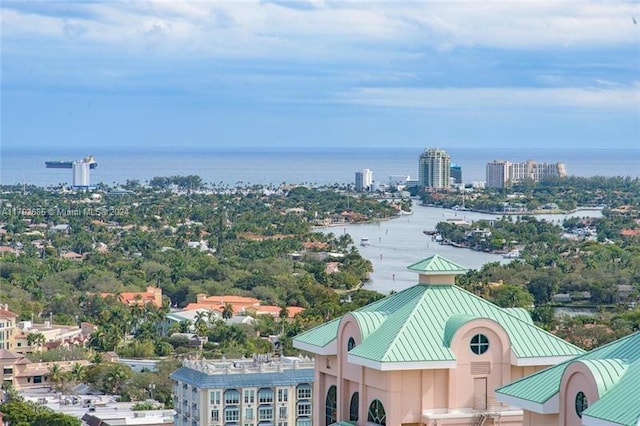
x=68 y=164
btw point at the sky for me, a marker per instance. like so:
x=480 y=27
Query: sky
x=320 y=73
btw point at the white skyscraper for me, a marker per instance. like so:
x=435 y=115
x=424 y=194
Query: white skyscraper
x=364 y=179
x=81 y=178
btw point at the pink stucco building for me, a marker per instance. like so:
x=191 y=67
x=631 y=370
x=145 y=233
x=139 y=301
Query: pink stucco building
x=599 y=388
x=429 y=355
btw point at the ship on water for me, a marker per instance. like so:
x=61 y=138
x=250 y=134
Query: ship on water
x=68 y=164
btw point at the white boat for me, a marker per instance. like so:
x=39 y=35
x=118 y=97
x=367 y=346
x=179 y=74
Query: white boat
x=513 y=254
x=364 y=242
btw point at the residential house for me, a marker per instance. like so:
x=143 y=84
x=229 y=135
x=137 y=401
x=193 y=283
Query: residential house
x=152 y=296
x=22 y=374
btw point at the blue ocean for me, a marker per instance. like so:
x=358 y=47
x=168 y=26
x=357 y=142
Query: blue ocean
x=245 y=166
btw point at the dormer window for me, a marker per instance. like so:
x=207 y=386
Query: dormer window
x=479 y=344
x=351 y=344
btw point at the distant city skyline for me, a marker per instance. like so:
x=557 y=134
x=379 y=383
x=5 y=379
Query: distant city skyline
x=319 y=73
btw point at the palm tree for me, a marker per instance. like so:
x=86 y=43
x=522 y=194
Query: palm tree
x=57 y=376
x=116 y=378
x=185 y=326
x=284 y=312
x=77 y=373
x=212 y=316
x=36 y=339
x=227 y=311
x=201 y=323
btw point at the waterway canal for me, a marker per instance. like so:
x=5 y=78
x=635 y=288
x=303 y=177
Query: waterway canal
x=400 y=242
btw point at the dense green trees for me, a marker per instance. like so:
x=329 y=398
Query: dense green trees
x=26 y=413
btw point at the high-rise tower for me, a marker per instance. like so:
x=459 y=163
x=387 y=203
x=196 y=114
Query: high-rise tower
x=498 y=174
x=364 y=179
x=434 y=169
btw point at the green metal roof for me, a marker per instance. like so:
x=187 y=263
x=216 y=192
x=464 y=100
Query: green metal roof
x=321 y=335
x=621 y=404
x=368 y=321
x=606 y=372
x=453 y=324
x=437 y=265
x=521 y=313
x=616 y=369
x=415 y=329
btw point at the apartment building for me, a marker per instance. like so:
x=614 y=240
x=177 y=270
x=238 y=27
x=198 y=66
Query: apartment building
x=434 y=168
x=244 y=392
x=364 y=179
x=7 y=327
x=500 y=173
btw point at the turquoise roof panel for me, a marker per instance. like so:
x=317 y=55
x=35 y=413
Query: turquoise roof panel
x=521 y=313
x=621 y=404
x=321 y=335
x=414 y=328
x=453 y=324
x=368 y=321
x=437 y=265
x=609 y=370
x=606 y=372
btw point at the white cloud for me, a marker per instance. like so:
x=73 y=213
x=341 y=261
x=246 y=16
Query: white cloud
x=496 y=98
x=247 y=28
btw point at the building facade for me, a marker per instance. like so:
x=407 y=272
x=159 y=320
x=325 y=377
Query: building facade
x=244 y=392
x=434 y=168
x=22 y=374
x=81 y=174
x=429 y=355
x=364 y=179
x=500 y=173
x=456 y=173
x=7 y=328
x=599 y=388
x=497 y=174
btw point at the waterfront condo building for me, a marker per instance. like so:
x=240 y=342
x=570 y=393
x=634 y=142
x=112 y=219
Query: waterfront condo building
x=244 y=392
x=364 y=179
x=500 y=173
x=599 y=388
x=497 y=174
x=429 y=355
x=434 y=168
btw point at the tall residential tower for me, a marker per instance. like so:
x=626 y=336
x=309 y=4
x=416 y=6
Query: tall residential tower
x=434 y=169
x=364 y=179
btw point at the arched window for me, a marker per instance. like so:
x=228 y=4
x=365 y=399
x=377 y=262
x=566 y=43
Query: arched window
x=581 y=403
x=479 y=344
x=331 y=406
x=351 y=344
x=377 y=414
x=354 y=407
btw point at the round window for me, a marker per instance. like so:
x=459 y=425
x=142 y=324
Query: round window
x=479 y=344
x=581 y=403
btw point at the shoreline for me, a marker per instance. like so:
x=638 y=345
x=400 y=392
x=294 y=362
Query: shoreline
x=528 y=213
